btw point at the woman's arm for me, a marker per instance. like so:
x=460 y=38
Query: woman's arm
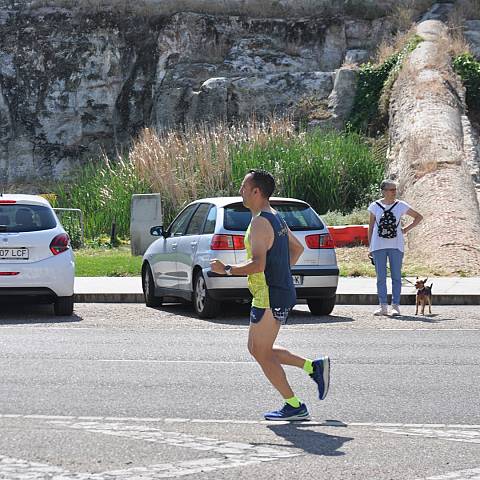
x=417 y=218
x=371 y=224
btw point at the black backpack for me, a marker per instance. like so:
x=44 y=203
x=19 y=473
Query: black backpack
x=387 y=226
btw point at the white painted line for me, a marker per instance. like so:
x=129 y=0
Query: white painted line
x=445 y=432
x=326 y=423
x=146 y=360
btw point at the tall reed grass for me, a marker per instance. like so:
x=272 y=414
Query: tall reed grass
x=197 y=162
x=330 y=170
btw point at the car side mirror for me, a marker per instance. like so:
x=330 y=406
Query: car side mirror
x=157 y=231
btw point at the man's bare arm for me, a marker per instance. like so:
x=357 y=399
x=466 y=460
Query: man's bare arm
x=261 y=239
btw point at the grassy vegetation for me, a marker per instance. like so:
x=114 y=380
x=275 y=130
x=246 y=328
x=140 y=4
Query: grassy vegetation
x=370 y=108
x=103 y=192
x=358 y=216
x=330 y=170
x=354 y=262
x=109 y=262
x=118 y=262
x=366 y=9
x=469 y=71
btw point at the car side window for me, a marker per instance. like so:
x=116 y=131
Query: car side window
x=211 y=220
x=196 y=223
x=180 y=224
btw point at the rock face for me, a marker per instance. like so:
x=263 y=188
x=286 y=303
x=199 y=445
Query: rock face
x=429 y=156
x=72 y=86
x=472 y=35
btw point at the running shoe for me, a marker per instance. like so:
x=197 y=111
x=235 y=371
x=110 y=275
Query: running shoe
x=321 y=375
x=289 y=413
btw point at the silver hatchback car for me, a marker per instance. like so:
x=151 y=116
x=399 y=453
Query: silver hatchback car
x=177 y=264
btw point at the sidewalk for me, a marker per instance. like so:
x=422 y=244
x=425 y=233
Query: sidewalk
x=351 y=290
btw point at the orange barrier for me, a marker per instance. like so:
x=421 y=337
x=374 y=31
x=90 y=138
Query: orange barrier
x=349 y=235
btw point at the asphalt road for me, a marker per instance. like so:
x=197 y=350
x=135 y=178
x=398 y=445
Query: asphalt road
x=126 y=392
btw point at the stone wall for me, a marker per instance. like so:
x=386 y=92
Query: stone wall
x=72 y=86
x=429 y=156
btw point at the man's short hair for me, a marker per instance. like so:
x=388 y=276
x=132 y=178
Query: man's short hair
x=264 y=181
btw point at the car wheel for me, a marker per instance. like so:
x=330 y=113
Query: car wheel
x=204 y=305
x=321 y=306
x=148 y=287
x=63 y=306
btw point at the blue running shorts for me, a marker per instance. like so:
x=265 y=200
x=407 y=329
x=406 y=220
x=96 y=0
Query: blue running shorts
x=279 y=314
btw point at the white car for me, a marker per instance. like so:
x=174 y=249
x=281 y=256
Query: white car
x=177 y=264
x=35 y=255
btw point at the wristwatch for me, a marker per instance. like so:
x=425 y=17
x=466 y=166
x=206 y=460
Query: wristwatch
x=228 y=269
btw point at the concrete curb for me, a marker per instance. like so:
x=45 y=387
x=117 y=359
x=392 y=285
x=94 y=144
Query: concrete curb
x=439 y=299
x=342 y=298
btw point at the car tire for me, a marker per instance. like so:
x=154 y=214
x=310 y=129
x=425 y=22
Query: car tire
x=321 y=306
x=205 y=306
x=148 y=287
x=63 y=306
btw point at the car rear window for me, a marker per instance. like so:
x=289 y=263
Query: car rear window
x=297 y=216
x=26 y=218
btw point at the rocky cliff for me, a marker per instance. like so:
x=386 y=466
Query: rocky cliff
x=72 y=85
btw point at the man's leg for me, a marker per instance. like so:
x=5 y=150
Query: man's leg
x=285 y=357
x=261 y=338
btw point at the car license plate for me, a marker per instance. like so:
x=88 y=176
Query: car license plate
x=297 y=279
x=13 y=253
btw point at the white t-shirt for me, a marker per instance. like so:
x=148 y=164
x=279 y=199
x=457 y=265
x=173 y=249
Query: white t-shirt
x=379 y=243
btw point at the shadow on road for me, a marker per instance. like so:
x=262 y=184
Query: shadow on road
x=29 y=313
x=239 y=314
x=430 y=318
x=300 y=435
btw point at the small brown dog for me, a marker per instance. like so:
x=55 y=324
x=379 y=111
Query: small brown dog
x=424 y=295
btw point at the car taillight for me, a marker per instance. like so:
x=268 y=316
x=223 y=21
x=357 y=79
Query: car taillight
x=319 y=241
x=227 y=242
x=8 y=274
x=7 y=201
x=60 y=244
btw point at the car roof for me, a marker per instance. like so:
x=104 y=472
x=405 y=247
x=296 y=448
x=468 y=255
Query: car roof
x=225 y=201
x=24 y=199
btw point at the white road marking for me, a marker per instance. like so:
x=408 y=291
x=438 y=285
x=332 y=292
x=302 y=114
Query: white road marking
x=229 y=454
x=446 y=432
x=472 y=474
x=326 y=423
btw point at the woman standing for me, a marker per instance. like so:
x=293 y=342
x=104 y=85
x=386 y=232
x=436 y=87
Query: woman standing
x=385 y=237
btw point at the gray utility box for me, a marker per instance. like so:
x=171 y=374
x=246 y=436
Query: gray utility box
x=146 y=212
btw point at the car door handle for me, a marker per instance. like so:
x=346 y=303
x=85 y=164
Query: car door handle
x=193 y=244
x=174 y=246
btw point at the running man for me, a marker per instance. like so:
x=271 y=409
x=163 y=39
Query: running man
x=271 y=250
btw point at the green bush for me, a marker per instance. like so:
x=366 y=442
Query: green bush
x=329 y=170
x=374 y=84
x=358 y=216
x=103 y=192
x=468 y=69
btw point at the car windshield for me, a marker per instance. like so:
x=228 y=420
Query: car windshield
x=26 y=218
x=297 y=216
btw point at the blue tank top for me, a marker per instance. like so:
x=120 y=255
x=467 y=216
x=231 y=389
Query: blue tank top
x=274 y=288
